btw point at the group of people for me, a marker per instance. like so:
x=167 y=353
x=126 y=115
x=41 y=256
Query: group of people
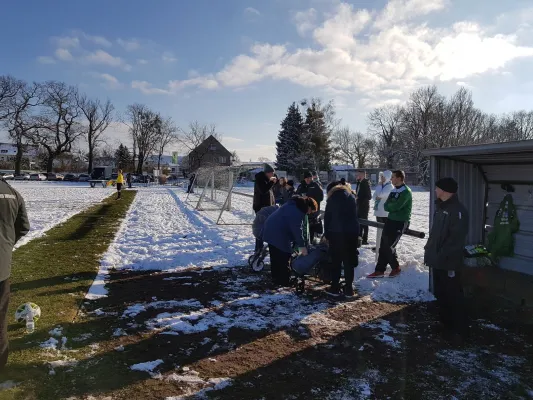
x=345 y=229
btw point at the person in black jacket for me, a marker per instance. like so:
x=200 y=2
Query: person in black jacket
x=341 y=230
x=444 y=254
x=14 y=224
x=263 y=194
x=314 y=190
x=364 y=195
x=190 y=189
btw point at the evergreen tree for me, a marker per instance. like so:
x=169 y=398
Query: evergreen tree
x=122 y=157
x=289 y=144
x=316 y=153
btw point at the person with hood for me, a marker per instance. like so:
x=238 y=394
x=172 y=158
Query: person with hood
x=341 y=230
x=443 y=253
x=283 y=229
x=380 y=196
x=263 y=194
x=399 y=205
x=364 y=194
x=14 y=224
x=311 y=188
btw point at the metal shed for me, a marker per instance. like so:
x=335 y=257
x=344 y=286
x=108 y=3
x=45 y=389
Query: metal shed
x=480 y=171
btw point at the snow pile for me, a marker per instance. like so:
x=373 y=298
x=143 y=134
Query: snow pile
x=135 y=309
x=56 y=332
x=386 y=329
x=50 y=204
x=193 y=379
x=50 y=344
x=148 y=366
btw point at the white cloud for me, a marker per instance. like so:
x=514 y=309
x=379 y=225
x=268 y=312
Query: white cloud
x=230 y=139
x=129 y=45
x=109 y=81
x=46 y=60
x=67 y=41
x=168 y=57
x=99 y=40
x=103 y=58
x=147 y=88
x=305 y=21
x=252 y=11
x=142 y=61
x=379 y=54
x=63 y=55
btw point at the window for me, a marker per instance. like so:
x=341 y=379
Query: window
x=3 y=151
x=212 y=148
x=222 y=159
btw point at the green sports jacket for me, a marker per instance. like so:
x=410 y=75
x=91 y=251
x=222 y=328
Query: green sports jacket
x=399 y=204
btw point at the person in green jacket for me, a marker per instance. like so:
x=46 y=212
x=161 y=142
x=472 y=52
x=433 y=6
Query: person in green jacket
x=399 y=205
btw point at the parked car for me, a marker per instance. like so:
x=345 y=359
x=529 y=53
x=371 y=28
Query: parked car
x=37 y=177
x=8 y=176
x=71 y=178
x=22 y=177
x=60 y=177
x=84 y=178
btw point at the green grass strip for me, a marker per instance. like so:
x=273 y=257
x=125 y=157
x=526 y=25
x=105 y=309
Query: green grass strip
x=55 y=271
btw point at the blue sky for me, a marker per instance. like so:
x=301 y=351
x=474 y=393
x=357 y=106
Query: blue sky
x=240 y=63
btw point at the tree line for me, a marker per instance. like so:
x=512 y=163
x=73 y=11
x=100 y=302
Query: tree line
x=396 y=135
x=59 y=118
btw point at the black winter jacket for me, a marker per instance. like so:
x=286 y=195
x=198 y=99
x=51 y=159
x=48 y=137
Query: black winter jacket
x=341 y=212
x=263 y=195
x=14 y=224
x=445 y=245
x=364 y=193
x=313 y=190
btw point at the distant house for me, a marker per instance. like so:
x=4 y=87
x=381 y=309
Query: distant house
x=209 y=153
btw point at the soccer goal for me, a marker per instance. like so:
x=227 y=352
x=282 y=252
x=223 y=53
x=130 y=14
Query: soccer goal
x=218 y=194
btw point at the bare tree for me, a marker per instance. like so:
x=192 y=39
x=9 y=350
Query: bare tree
x=21 y=117
x=344 y=146
x=168 y=134
x=145 y=126
x=9 y=88
x=58 y=124
x=98 y=117
x=385 y=123
x=263 y=159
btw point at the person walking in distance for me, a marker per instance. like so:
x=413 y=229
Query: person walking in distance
x=128 y=180
x=381 y=194
x=119 y=182
x=399 y=205
x=443 y=253
x=14 y=224
x=364 y=194
x=263 y=194
x=341 y=230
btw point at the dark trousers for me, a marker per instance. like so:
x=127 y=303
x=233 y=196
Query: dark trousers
x=344 y=253
x=362 y=212
x=392 y=232
x=381 y=219
x=4 y=302
x=129 y=184
x=315 y=225
x=279 y=266
x=190 y=189
x=450 y=301
x=119 y=190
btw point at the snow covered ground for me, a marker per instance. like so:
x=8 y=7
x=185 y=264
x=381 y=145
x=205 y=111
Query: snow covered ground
x=50 y=203
x=163 y=232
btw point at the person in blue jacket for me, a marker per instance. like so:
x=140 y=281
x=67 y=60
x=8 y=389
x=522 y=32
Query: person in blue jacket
x=283 y=229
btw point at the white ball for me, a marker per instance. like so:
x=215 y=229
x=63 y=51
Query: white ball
x=28 y=310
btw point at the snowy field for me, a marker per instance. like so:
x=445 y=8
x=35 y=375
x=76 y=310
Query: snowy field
x=163 y=232
x=50 y=203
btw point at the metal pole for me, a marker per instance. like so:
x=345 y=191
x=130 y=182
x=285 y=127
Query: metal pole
x=212 y=179
x=230 y=190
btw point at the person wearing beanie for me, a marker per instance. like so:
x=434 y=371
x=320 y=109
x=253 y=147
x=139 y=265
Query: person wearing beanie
x=443 y=253
x=363 y=195
x=283 y=228
x=399 y=205
x=314 y=190
x=263 y=194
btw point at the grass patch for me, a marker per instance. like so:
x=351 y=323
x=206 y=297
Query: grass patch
x=55 y=271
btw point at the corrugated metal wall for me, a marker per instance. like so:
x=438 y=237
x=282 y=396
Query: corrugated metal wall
x=471 y=191
x=523 y=200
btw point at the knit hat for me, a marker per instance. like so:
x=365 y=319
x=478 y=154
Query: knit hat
x=268 y=169
x=449 y=185
x=308 y=174
x=343 y=181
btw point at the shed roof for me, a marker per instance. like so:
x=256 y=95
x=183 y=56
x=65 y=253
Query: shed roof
x=517 y=152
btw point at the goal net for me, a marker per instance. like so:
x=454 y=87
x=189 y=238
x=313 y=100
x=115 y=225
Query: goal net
x=219 y=194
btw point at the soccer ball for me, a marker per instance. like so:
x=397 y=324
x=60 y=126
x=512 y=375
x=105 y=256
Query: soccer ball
x=27 y=310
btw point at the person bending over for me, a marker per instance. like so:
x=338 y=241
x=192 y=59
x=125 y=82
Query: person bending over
x=283 y=228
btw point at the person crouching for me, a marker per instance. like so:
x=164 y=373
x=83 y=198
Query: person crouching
x=283 y=228
x=341 y=230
